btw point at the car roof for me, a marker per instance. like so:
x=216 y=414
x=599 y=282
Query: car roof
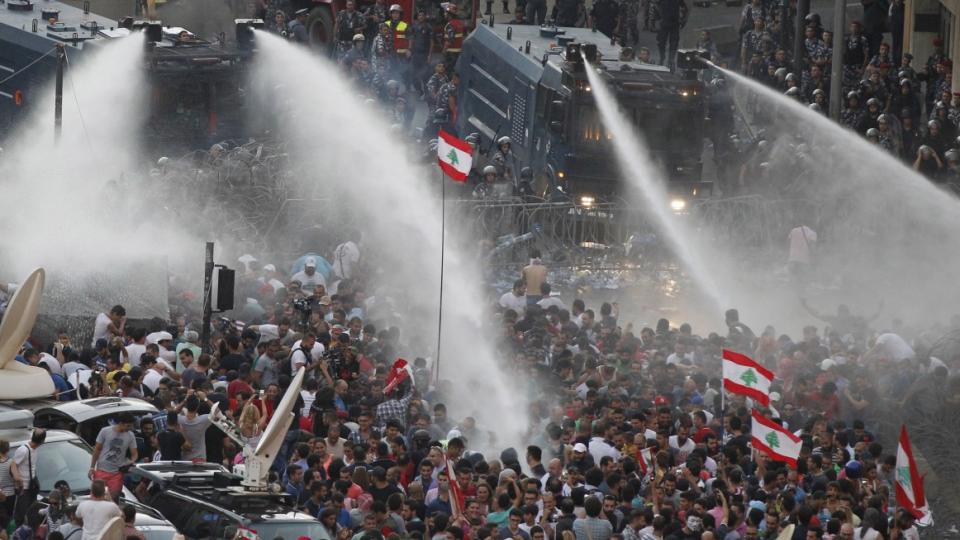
x=86 y=409
x=21 y=436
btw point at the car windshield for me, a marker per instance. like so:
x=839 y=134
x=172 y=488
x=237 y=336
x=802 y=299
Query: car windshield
x=289 y=529
x=664 y=129
x=63 y=460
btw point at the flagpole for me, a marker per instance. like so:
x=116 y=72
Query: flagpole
x=443 y=236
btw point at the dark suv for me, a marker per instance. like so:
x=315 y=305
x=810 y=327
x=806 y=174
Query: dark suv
x=204 y=500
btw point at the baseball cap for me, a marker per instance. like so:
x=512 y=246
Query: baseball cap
x=311 y=262
x=580 y=447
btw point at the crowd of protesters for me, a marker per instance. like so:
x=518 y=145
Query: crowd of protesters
x=600 y=392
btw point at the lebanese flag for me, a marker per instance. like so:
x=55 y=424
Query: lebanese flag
x=645 y=460
x=457 y=499
x=909 y=487
x=774 y=440
x=244 y=533
x=743 y=376
x=455 y=156
x=400 y=372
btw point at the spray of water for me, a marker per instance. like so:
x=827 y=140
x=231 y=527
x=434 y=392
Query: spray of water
x=79 y=208
x=885 y=231
x=646 y=185
x=348 y=153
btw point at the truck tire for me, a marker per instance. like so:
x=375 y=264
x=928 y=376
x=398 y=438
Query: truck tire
x=320 y=28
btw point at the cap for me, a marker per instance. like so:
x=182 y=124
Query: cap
x=302 y=11
x=101 y=343
x=270 y=268
x=396 y=7
x=157 y=337
x=311 y=262
x=580 y=447
x=697 y=399
x=661 y=400
x=827 y=364
x=758 y=505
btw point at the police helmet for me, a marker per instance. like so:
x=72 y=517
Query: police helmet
x=719 y=83
x=904 y=82
x=440 y=114
x=780 y=72
x=526 y=173
x=957 y=141
x=473 y=138
x=819 y=92
x=903 y=74
x=791 y=77
x=489 y=169
x=940 y=105
x=853 y=95
x=873 y=102
x=359 y=37
x=873 y=132
x=160 y=162
x=421 y=435
x=812 y=18
x=925 y=148
x=762 y=145
x=815 y=107
x=396 y=7
x=933 y=124
x=883 y=119
x=504 y=140
x=792 y=92
x=952 y=155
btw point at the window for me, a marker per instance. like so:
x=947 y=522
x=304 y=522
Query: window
x=63 y=460
x=202 y=522
x=170 y=507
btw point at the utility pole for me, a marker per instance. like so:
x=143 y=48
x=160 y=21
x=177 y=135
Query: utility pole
x=207 y=298
x=836 y=63
x=785 y=16
x=803 y=9
x=58 y=94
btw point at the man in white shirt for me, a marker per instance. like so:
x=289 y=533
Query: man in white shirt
x=137 y=347
x=97 y=511
x=309 y=278
x=599 y=447
x=802 y=241
x=304 y=347
x=25 y=459
x=516 y=299
x=271 y=332
x=346 y=257
x=892 y=347
x=108 y=325
x=681 y=442
x=548 y=300
x=153 y=372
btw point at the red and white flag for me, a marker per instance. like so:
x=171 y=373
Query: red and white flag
x=743 y=376
x=401 y=371
x=774 y=440
x=910 y=493
x=645 y=460
x=455 y=156
x=457 y=499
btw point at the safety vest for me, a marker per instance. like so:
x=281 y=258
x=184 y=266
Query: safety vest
x=400 y=41
x=456 y=44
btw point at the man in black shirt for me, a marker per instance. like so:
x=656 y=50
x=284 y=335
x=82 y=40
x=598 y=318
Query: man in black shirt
x=171 y=440
x=604 y=16
x=235 y=357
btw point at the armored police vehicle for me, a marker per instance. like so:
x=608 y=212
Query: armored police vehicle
x=529 y=83
x=195 y=85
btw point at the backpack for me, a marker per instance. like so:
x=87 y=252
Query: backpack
x=286 y=368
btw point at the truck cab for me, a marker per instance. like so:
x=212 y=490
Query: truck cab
x=529 y=83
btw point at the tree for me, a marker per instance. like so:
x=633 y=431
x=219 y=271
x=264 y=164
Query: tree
x=749 y=377
x=772 y=440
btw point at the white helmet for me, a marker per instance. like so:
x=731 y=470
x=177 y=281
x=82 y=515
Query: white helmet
x=489 y=169
x=504 y=140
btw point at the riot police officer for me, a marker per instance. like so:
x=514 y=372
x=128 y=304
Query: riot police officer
x=298 y=27
x=484 y=189
x=505 y=161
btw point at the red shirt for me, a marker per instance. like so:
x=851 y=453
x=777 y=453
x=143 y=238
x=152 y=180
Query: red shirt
x=236 y=386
